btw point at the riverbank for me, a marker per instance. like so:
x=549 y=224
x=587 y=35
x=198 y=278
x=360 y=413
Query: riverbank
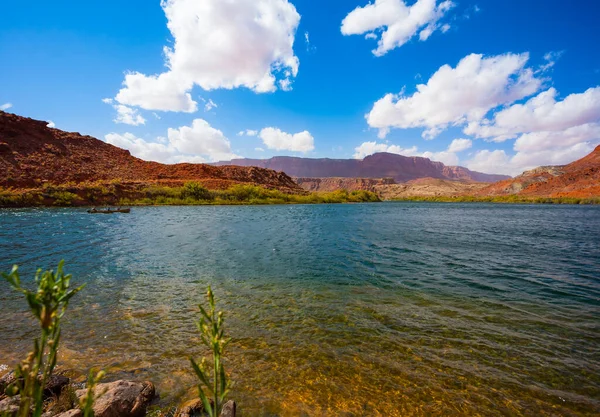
x=505 y=199
x=115 y=193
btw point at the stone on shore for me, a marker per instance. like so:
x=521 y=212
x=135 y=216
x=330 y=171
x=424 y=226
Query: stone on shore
x=76 y=412
x=121 y=398
x=194 y=408
x=53 y=387
x=10 y=405
x=191 y=408
x=228 y=409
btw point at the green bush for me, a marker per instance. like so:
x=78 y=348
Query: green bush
x=195 y=191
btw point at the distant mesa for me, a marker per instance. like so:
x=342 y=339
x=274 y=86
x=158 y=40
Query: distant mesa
x=380 y=165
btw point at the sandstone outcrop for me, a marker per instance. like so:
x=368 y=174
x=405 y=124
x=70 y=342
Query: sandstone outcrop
x=32 y=154
x=579 y=179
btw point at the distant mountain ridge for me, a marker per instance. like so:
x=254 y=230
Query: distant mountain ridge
x=379 y=165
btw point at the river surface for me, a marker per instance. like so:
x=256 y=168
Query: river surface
x=353 y=310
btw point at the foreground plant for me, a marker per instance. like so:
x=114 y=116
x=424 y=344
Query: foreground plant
x=213 y=388
x=48 y=304
x=87 y=402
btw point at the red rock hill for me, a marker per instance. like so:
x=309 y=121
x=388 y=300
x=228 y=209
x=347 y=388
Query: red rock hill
x=579 y=179
x=31 y=154
x=379 y=165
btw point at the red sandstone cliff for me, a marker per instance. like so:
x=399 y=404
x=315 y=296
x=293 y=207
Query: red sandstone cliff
x=32 y=154
x=580 y=179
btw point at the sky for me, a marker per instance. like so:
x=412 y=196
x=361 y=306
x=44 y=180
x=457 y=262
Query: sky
x=496 y=86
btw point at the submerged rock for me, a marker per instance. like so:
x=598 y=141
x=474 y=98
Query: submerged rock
x=121 y=398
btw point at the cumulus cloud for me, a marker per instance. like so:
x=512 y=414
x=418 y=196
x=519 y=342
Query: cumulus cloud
x=369 y=148
x=51 y=124
x=6 y=106
x=199 y=142
x=394 y=23
x=454 y=96
x=274 y=138
x=459 y=145
x=125 y=114
x=218 y=44
x=542 y=113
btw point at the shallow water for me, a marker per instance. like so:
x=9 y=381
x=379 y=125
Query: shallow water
x=371 y=309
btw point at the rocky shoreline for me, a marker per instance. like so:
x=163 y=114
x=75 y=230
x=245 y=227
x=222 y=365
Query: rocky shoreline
x=121 y=398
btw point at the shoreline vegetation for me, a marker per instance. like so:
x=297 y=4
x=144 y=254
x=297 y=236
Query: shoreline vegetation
x=116 y=193
x=503 y=199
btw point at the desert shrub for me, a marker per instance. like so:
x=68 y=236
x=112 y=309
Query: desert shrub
x=195 y=191
x=63 y=198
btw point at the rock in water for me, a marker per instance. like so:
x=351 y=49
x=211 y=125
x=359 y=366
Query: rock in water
x=121 y=398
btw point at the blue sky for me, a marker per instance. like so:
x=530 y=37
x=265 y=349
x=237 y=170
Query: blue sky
x=506 y=85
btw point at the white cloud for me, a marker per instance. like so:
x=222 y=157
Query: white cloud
x=210 y=105
x=51 y=124
x=125 y=114
x=276 y=139
x=248 y=132
x=148 y=151
x=259 y=149
x=199 y=142
x=218 y=44
x=454 y=96
x=395 y=21
x=369 y=148
x=459 y=145
x=550 y=58
x=539 y=141
x=541 y=113
x=6 y=106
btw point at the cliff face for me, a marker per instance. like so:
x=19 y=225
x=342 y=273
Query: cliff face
x=580 y=179
x=31 y=154
x=379 y=165
x=328 y=184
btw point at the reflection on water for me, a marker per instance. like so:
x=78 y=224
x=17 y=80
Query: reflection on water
x=373 y=309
